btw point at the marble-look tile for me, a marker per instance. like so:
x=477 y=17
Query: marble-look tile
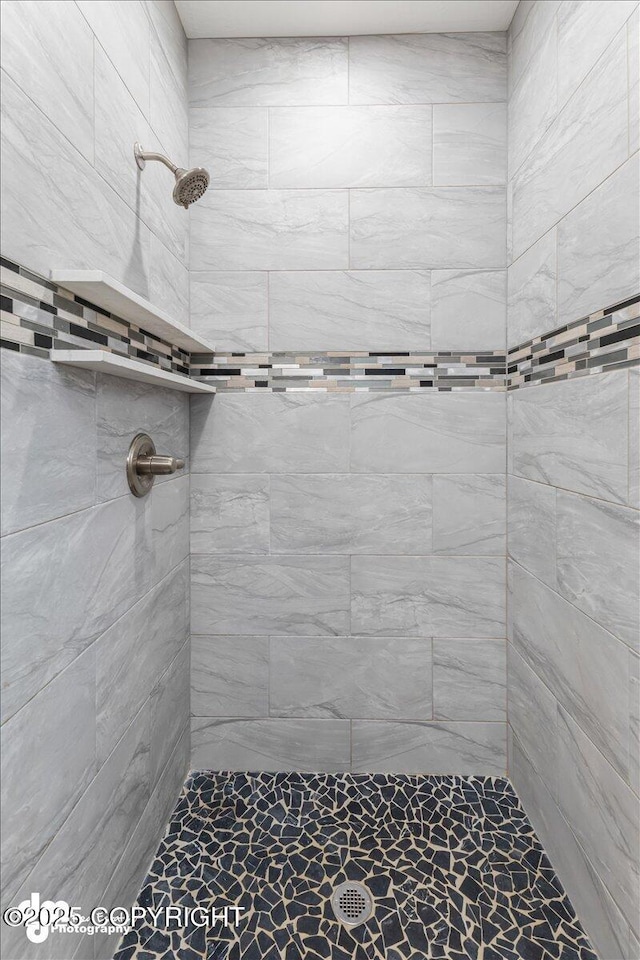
x=268 y=72
x=232 y=143
x=584 y=667
x=533 y=104
x=532 y=527
x=634 y=946
x=633 y=47
x=602 y=919
x=634 y=721
x=469 y=514
x=527 y=42
x=348 y=514
x=438 y=227
x=270 y=433
x=469 y=679
x=169 y=709
x=168 y=104
x=585 y=30
x=573 y=434
x=452 y=433
x=468 y=309
x=230 y=309
x=598 y=248
x=350 y=147
x=87 y=848
x=48 y=220
x=50 y=460
x=168 y=281
x=531 y=304
x=603 y=812
x=586 y=142
x=469 y=143
x=229 y=676
x=270 y=230
x=598 y=558
x=346 y=677
x=634 y=438
x=122 y=28
x=125 y=408
x=533 y=716
x=253 y=595
x=428 y=68
x=427 y=596
x=40 y=787
x=133 y=653
x=429 y=748
x=169 y=527
x=229 y=514
x=47 y=49
x=89 y=568
x=170 y=32
x=350 y=310
x=277 y=744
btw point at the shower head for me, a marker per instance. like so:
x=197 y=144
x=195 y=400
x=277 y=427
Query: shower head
x=190 y=185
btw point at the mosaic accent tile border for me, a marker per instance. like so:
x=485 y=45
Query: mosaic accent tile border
x=38 y=316
x=453 y=864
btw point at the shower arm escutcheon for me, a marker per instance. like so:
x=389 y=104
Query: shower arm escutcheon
x=144 y=465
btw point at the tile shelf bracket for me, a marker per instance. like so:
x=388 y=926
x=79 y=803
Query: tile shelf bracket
x=104 y=362
x=106 y=292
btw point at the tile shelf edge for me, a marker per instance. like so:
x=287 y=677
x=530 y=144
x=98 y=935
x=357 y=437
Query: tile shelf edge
x=102 y=361
x=105 y=291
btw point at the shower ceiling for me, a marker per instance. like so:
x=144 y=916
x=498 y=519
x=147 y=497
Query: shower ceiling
x=317 y=18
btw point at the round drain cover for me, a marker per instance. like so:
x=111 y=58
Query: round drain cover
x=352 y=903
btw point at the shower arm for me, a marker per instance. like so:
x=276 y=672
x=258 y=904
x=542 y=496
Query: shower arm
x=143 y=155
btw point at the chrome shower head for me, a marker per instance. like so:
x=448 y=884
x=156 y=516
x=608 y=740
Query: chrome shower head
x=190 y=184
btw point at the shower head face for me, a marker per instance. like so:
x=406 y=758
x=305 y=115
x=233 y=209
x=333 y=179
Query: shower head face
x=190 y=185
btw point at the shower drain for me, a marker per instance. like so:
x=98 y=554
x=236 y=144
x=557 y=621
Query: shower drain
x=352 y=903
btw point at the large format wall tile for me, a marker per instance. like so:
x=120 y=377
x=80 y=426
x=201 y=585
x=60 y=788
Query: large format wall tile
x=537 y=18
x=599 y=562
x=468 y=309
x=169 y=711
x=533 y=103
x=270 y=433
x=365 y=677
x=633 y=45
x=168 y=107
x=438 y=227
x=584 y=144
x=230 y=309
x=229 y=676
x=350 y=147
x=35 y=40
x=428 y=68
x=599 y=248
x=273 y=744
x=271 y=230
x=269 y=595
x=533 y=716
x=350 y=310
x=585 y=667
x=123 y=29
x=532 y=527
x=422 y=596
x=40 y=787
x=229 y=514
x=532 y=291
x=603 y=812
x=168 y=281
x=469 y=679
x=469 y=143
x=574 y=434
x=469 y=514
x=49 y=463
x=347 y=514
x=268 y=72
x=445 y=433
x=404 y=747
x=233 y=144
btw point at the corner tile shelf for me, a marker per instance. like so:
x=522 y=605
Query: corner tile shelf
x=104 y=362
x=106 y=292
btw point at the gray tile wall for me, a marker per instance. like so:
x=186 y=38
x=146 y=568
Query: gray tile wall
x=95 y=641
x=573 y=521
x=358 y=192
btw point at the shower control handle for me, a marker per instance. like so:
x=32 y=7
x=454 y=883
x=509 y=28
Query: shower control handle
x=144 y=465
x=158 y=465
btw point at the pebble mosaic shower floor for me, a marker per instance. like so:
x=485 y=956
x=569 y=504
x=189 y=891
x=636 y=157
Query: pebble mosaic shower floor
x=452 y=862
